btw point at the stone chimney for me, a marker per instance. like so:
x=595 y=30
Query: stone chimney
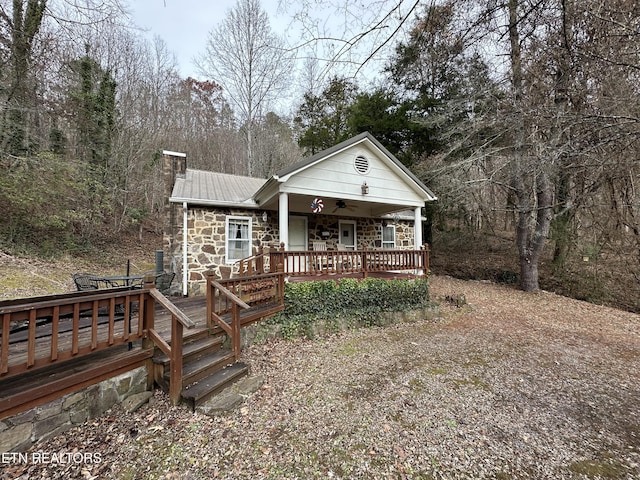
x=174 y=165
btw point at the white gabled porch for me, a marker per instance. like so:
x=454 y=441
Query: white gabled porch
x=353 y=197
x=357 y=179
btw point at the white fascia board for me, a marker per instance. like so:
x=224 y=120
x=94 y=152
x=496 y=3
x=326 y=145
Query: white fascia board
x=355 y=196
x=270 y=189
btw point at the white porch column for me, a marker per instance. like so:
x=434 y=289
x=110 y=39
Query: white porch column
x=283 y=219
x=417 y=228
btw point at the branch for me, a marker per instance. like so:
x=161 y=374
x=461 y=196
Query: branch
x=383 y=44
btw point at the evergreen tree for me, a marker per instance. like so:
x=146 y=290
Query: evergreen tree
x=389 y=120
x=324 y=119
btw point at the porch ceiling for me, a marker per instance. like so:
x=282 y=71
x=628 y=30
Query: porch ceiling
x=352 y=208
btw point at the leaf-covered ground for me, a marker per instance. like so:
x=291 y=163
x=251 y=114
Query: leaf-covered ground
x=509 y=386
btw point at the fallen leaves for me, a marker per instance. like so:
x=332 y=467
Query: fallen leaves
x=515 y=386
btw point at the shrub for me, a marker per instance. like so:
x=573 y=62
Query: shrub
x=348 y=302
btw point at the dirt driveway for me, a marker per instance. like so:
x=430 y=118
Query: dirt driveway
x=509 y=386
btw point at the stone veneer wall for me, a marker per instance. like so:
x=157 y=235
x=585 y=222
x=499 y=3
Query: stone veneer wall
x=21 y=431
x=206 y=242
x=368 y=232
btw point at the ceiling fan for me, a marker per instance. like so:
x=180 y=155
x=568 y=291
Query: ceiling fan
x=341 y=204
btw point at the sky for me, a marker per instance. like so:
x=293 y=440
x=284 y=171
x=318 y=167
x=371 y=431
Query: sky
x=185 y=24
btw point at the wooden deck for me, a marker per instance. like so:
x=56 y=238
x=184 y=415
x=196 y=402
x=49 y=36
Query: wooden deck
x=53 y=345
x=193 y=307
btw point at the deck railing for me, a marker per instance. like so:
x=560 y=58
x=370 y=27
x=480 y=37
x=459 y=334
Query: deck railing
x=236 y=302
x=41 y=331
x=173 y=350
x=256 y=264
x=363 y=262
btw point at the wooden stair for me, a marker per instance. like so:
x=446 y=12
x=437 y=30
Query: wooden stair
x=208 y=367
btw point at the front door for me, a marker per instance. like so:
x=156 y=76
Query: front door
x=298 y=242
x=298 y=234
x=347 y=233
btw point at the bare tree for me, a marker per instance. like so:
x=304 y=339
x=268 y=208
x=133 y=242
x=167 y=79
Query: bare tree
x=250 y=62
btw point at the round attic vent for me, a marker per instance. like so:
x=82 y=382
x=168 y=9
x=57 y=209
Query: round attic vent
x=361 y=165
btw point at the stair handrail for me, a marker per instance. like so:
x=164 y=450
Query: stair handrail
x=179 y=320
x=254 y=264
x=213 y=315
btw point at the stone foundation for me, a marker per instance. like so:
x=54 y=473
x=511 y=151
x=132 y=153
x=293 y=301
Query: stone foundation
x=21 y=431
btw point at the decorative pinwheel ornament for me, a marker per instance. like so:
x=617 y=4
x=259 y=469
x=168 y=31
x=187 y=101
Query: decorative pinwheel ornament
x=317 y=205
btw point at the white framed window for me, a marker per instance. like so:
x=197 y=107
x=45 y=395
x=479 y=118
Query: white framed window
x=388 y=237
x=238 y=236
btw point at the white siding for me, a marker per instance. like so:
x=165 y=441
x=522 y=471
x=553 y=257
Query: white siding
x=337 y=177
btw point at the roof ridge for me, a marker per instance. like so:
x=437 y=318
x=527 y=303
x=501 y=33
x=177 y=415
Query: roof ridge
x=211 y=172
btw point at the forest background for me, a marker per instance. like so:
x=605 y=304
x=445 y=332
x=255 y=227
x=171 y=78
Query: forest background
x=522 y=115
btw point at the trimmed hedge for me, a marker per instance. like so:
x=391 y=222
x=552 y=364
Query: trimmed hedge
x=348 y=302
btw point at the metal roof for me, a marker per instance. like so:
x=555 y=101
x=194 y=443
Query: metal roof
x=202 y=187
x=219 y=189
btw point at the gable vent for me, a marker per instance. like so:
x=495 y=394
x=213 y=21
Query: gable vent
x=361 y=165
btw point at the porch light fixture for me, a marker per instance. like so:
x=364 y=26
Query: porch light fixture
x=265 y=216
x=365 y=188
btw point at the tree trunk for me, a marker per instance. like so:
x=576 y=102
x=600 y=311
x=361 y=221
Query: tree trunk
x=534 y=212
x=27 y=20
x=532 y=232
x=564 y=209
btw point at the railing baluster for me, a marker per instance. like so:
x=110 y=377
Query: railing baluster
x=55 y=322
x=31 y=348
x=112 y=319
x=75 y=329
x=141 y=312
x=210 y=292
x=4 y=353
x=94 y=325
x=126 y=326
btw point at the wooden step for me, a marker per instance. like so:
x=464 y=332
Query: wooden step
x=192 y=350
x=197 y=393
x=203 y=366
x=192 y=334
